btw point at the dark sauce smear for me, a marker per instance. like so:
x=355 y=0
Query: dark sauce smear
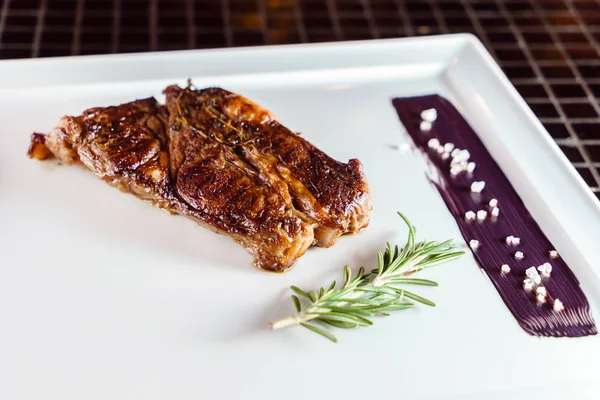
x=535 y=318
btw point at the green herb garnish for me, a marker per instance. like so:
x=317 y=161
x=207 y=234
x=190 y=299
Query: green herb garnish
x=370 y=294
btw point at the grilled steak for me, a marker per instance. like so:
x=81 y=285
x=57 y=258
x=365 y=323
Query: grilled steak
x=333 y=195
x=127 y=147
x=223 y=162
x=123 y=145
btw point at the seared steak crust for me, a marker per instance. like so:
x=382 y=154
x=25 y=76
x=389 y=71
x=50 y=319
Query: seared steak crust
x=123 y=145
x=211 y=178
x=222 y=161
x=332 y=194
x=127 y=146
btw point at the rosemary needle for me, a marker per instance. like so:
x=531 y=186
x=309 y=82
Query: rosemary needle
x=370 y=294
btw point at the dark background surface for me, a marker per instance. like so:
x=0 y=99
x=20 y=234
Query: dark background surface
x=548 y=48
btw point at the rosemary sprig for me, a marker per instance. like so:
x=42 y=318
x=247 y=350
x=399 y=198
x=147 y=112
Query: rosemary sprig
x=370 y=294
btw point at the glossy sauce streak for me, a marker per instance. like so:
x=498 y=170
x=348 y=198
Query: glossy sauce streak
x=514 y=219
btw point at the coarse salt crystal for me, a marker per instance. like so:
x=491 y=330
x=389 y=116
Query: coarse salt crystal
x=429 y=115
x=505 y=269
x=528 y=284
x=515 y=241
x=455 y=170
x=460 y=164
x=545 y=269
x=540 y=298
x=531 y=272
x=541 y=290
x=481 y=215
x=474 y=244
x=433 y=143
x=440 y=150
x=445 y=155
x=493 y=203
x=508 y=240
x=449 y=147
x=469 y=215
x=462 y=155
x=519 y=255
x=553 y=254
x=558 y=305
x=547 y=266
x=425 y=126
x=495 y=211
x=457 y=159
x=455 y=152
x=477 y=186
x=470 y=167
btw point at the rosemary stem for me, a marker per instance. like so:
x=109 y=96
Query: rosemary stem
x=307 y=314
x=292 y=320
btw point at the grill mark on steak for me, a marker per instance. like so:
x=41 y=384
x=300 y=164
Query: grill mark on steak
x=221 y=160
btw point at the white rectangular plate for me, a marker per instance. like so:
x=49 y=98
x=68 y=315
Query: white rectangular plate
x=104 y=297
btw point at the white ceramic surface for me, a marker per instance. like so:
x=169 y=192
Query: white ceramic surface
x=104 y=297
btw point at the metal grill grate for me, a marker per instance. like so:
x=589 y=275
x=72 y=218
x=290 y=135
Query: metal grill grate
x=550 y=49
